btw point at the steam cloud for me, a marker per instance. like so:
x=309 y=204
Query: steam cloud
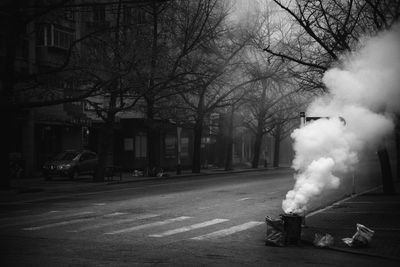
x=365 y=90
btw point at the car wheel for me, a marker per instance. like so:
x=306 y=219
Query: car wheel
x=74 y=175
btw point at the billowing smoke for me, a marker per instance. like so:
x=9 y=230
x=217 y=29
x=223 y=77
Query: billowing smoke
x=365 y=91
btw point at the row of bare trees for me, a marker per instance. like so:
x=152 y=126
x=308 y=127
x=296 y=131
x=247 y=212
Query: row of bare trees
x=323 y=30
x=183 y=61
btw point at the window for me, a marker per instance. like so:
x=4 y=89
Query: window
x=91 y=156
x=61 y=38
x=184 y=147
x=140 y=145
x=84 y=157
x=54 y=36
x=170 y=141
x=69 y=14
x=99 y=14
x=141 y=16
x=214 y=123
x=128 y=144
x=127 y=15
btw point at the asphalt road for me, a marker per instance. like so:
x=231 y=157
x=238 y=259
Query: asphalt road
x=215 y=220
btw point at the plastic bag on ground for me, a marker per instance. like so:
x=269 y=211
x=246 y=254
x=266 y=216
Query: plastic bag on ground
x=274 y=236
x=323 y=240
x=362 y=238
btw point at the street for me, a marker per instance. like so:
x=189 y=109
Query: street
x=196 y=221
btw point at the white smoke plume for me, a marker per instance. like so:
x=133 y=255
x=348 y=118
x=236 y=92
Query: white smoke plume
x=365 y=91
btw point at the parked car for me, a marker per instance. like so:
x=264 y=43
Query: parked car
x=71 y=163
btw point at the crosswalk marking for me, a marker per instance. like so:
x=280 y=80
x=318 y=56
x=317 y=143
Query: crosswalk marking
x=40 y=217
x=115 y=214
x=144 y=226
x=50 y=225
x=228 y=231
x=99 y=204
x=136 y=218
x=62 y=216
x=188 y=228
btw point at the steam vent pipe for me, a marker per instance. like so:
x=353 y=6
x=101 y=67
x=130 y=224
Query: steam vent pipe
x=302 y=119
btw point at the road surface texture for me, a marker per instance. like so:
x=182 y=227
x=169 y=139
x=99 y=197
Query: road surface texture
x=213 y=220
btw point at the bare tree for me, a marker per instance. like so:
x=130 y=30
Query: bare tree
x=212 y=86
x=108 y=59
x=179 y=30
x=331 y=28
x=285 y=120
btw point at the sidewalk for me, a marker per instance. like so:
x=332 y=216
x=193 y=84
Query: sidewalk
x=373 y=209
x=32 y=188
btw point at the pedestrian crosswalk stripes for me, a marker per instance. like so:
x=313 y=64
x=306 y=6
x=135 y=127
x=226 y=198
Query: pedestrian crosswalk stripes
x=189 y=228
x=115 y=222
x=115 y=214
x=124 y=222
x=149 y=225
x=228 y=231
x=50 y=225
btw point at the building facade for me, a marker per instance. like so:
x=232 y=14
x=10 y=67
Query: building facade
x=44 y=131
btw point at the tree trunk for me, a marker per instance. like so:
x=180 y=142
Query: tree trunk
x=196 y=161
x=107 y=132
x=257 y=143
x=257 y=149
x=397 y=137
x=152 y=137
x=260 y=129
x=106 y=143
x=228 y=158
x=387 y=179
x=277 y=145
x=106 y=139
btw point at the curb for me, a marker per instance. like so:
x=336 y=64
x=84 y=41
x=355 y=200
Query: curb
x=189 y=175
x=341 y=201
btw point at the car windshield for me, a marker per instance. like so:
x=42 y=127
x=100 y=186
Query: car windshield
x=68 y=155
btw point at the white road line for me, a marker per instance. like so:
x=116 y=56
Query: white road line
x=242 y=199
x=191 y=227
x=228 y=231
x=41 y=217
x=137 y=218
x=62 y=216
x=144 y=226
x=115 y=214
x=99 y=204
x=50 y=225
